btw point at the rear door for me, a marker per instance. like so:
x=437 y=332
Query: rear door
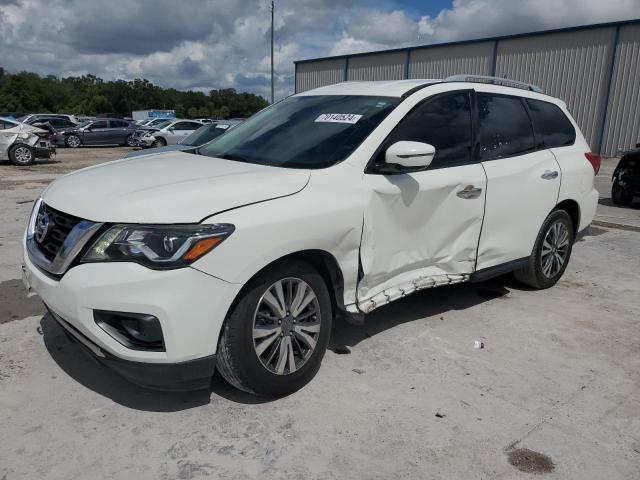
x=421 y=229
x=118 y=132
x=523 y=179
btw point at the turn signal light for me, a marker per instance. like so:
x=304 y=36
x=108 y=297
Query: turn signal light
x=201 y=247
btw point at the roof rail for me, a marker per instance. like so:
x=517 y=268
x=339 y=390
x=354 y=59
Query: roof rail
x=505 y=82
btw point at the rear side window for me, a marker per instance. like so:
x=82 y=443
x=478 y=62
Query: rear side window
x=504 y=127
x=551 y=124
x=117 y=124
x=444 y=122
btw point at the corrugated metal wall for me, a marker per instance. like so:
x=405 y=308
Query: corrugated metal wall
x=380 y=66
x=623 y=122
x=440 y=62
x=573 y=66
x=595 y=70
x=319 y=74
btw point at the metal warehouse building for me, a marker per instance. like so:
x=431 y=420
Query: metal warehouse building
x=595 y=69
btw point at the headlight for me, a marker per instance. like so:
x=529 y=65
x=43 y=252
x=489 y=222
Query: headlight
x=157 y=246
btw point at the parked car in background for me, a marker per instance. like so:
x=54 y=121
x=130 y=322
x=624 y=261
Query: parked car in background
x=200 y=137
x=22 y=143
x=168 y=133
x=54 y=122
x=626 y=178
x=42 y=116
x=97 y=132
x=330 y=203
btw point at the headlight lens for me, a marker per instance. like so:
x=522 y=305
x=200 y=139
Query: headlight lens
x=157 y=246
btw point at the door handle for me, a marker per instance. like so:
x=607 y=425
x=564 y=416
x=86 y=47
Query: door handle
x=549 y=175
x=469 y=192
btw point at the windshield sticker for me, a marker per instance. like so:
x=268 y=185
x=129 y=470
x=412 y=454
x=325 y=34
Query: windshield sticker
x=222 y=126
x=338 y=118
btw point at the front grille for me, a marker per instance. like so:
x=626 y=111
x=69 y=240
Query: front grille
x=60 y=224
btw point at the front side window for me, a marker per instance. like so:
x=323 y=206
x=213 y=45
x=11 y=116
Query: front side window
x=444 y=122
x=304 y=131
x=504 y=127
x=551 y=124
x=99 y=124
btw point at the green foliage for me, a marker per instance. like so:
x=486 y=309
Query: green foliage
x=27 y=92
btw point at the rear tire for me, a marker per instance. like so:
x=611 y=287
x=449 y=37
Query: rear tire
x=267 y=353
x=22 y=155
x=551 y=252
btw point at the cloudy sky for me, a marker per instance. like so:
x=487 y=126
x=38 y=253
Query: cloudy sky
x=204 y=44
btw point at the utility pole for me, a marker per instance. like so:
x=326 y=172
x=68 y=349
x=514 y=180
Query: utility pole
x=272 y=85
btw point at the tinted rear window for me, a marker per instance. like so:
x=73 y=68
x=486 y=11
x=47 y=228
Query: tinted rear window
x=551 y=124
x=504 y=127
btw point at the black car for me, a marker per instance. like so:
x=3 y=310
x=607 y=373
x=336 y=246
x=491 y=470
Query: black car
x=97 y=132
x=626 y=178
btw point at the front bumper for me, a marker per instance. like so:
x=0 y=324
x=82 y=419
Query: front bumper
x=190 y=306
x=146 y=141
x=190 y=375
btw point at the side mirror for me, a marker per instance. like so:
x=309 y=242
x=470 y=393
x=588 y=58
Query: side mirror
x=410 y=155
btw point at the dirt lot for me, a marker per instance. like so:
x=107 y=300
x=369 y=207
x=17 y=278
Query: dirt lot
x=555 y=391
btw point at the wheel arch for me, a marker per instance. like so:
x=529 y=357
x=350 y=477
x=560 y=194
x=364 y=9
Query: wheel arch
x=324 y=262
x=573 y=210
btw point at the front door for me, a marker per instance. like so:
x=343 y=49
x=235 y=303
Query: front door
x=97 y=134
x=523 y=180
x=421 y=229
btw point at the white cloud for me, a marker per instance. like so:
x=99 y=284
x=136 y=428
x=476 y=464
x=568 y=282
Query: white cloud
x=225 y=43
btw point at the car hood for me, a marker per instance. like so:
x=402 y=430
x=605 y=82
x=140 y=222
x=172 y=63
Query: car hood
x=157 y=150
x=173 y=187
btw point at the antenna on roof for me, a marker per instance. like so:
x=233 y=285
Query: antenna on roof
x=505 y=82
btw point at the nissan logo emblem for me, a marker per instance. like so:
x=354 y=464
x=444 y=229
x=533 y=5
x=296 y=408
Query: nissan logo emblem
x=42 y=226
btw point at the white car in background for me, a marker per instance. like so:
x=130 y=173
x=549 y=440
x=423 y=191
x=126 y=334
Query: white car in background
x=323 y=206
x=22 y=143
x=169 y=133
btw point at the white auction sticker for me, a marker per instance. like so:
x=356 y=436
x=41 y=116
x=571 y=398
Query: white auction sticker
x=338 y=118
x=222 y=126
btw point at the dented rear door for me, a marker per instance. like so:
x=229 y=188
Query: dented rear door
x=422 y=229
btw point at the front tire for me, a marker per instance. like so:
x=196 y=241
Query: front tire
x=73 y=141
x=275 y=337
x=129 y=141
x=551 y=252
x=22 y=155
x=160 y=142
x=619 y=195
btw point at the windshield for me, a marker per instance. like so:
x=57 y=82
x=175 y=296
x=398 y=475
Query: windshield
x=162 y=124
x=304 y=131
x=83 y=124
x=159 y=121
x=205 y=134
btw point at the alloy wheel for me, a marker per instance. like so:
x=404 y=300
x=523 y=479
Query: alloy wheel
x=23 y=155
x=286 y=326
x=73 y=141
x=555 y=248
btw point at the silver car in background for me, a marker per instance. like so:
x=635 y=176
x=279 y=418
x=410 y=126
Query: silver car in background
x=21 y=143
x=168 y=134
x=200 y=137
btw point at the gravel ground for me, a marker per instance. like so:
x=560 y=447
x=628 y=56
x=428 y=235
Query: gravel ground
x=555 y=391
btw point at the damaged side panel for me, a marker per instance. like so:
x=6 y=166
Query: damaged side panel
x=419 y=232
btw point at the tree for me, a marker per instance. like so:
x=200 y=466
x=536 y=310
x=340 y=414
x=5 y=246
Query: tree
x=27 y=92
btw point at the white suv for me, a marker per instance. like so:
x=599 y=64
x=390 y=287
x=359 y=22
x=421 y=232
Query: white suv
x=325 y=205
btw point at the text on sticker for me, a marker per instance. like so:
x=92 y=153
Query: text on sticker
x=338 y=118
